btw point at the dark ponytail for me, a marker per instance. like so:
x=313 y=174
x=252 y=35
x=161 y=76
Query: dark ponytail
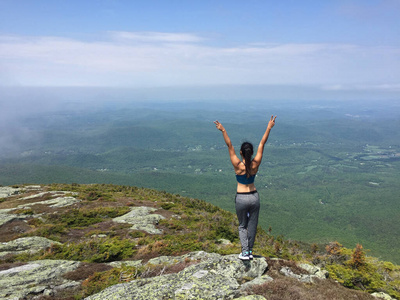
x=247 y=152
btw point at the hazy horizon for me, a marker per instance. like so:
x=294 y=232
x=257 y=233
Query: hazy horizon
x=188 y=50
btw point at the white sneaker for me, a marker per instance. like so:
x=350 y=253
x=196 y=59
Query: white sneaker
x=244 y=256
x=251 y=255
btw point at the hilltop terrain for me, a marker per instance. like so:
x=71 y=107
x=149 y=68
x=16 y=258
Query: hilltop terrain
x=78 y=241
x=330 y=171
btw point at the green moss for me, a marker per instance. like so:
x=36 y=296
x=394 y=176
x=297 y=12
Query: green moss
x=167 y=205
x=49 y=230
x=98 y=250
x=84 y=217
x=25 y=211
x=137 y=234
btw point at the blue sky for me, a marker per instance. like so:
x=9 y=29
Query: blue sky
x=351 y=45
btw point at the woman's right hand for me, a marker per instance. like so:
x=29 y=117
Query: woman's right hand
x=271 y=122
x=219 y=126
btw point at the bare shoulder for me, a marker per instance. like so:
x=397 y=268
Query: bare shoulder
x=240 y=169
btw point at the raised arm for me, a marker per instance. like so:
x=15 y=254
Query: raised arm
x=234 y=159
x=257 y=159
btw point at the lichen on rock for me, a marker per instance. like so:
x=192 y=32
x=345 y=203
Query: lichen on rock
x=314 y=273
x=217 y=277
x=25 y=245
x=36 y=277
x=7 y=191
x=141 y=219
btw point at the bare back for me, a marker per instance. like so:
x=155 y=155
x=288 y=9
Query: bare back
x=241 y=170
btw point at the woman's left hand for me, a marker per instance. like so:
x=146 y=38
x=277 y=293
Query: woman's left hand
x=219 y=126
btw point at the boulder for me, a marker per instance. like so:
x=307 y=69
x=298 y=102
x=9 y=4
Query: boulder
x=25 y=245
x=214 y=278
x=314 y=270
x=257 y=281
x=41 y=277
x=286 y=271
x=141 y=219
x=382 y=295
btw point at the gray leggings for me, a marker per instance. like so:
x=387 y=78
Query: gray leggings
x=247 y=209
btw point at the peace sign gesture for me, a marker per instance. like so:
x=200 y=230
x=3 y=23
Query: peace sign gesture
x=271 y=122
x=219 y=126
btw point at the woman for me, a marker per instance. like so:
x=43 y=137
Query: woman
x=247 y=201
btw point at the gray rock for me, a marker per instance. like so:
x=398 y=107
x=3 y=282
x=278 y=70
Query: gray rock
x=257 y=281
x=98 y=236
x=141 y=219
x=56 y=202
x=314 y=270
x=36 y=278
x=214 y=278
x=6 y=217
x=224 y=242
x=251 y=297
x=286 y=271
x=32 y=187
x=25 y=245
x=53 y=194
x=7 y=191
x=128 y=263
x=170 y=260
x=382 y=295
x=165 y=260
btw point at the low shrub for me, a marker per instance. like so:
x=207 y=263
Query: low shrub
x=24 y=211
x=49 y=231
x=84 y=217
x=97 y=250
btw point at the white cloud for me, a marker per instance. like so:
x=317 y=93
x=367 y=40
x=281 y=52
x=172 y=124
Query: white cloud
x=364 y=87
x=139 y=59
x=155 y=37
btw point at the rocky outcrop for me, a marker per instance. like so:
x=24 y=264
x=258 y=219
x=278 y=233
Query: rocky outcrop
x=7 y=191
x=6 y=217
x=25 y=245
x=42 y=277
x=205 y=275
x=56 y=202
x=286 y=271
x=214 y=277
x=58 y=199
x=50 y=194
x=141 y=219
x=217 y=277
